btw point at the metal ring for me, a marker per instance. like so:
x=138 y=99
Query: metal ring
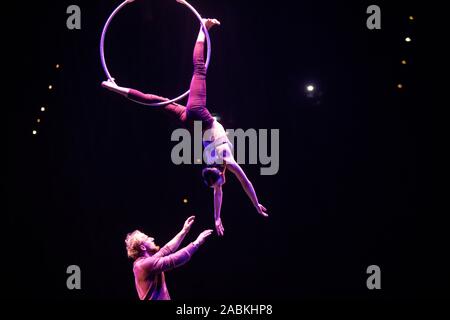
x=102 y=51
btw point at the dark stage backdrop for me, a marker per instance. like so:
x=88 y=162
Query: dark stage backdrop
x=353 y=189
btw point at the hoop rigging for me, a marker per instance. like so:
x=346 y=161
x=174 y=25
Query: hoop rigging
x=102 y=51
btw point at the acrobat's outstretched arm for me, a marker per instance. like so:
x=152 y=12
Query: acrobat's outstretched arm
x=218 y=195
x=247 y=186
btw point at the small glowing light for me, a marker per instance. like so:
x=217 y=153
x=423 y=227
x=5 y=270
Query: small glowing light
x=38 y=120
x=50 y=87
x=43 y=109
x=411 y=18
x=199 y=161
x=185 y=201
x=400 y=86
x=57 y=66
x=34 y=132
x=310 y=88
x=404 y=62
x=408 y=39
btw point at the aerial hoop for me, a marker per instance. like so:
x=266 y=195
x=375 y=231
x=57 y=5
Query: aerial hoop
x=102 y=51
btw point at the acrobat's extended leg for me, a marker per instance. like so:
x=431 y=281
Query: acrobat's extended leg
x=174 y=109
x=196 y=107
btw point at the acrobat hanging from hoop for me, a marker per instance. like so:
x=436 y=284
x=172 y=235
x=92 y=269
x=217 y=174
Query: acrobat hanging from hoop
x=218 y=149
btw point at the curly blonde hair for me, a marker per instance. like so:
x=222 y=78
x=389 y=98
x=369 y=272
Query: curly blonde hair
x=133 y=244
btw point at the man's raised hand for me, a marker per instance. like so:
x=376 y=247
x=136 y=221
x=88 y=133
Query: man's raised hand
x=203 y=236
x=188 y=224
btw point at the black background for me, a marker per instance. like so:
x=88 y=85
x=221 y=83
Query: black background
x=354 y=184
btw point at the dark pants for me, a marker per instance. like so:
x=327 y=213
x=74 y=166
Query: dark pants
x=196 y=107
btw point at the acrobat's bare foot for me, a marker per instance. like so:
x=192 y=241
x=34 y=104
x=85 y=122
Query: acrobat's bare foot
x=209 y=23
x=109 y=85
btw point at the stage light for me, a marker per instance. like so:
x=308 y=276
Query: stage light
x=43 y=109
x=50 y=87
x=310 y=88
x=408 y=39
x=400 y=86
x=38 y=120
x=57 y=66
x=411 y=18
x=311 y=91
x=185 y=201
x=34 y=132
x=404 y=62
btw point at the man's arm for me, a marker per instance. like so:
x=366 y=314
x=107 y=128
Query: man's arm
x=247 y=186
x=161 y=264
x=218 y=195
x=175 y=243
x=158 y=264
